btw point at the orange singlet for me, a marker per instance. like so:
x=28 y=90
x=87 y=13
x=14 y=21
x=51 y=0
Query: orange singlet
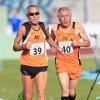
x=69 y=60
x=36 y=56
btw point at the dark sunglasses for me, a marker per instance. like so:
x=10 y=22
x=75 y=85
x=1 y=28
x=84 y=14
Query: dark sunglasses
x=32 y=14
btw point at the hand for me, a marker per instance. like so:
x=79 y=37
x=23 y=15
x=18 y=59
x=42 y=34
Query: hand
x=28 y=45
x=53 y=49
x=75 y=43
x=59 y=50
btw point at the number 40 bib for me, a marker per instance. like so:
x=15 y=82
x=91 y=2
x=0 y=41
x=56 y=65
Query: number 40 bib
x=66 y=46
x=37 y=49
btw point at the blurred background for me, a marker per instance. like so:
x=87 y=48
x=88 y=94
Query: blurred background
x=13 y=14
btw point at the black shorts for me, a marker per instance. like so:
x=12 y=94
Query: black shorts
x=32 y=71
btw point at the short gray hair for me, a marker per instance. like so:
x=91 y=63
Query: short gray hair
x=63 y=9
x=30 y=6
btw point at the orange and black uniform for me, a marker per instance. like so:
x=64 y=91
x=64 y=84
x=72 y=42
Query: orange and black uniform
x=36 y=56
x=68 y=61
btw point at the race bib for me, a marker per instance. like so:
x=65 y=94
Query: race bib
x=37 y=49
x=66 y=47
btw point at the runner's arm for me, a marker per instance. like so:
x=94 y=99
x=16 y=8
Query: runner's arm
x=18 y=46
x=50 y=40
x=82 y=34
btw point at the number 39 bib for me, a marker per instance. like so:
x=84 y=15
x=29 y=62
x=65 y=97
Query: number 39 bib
x=66 y=46
x=37 y=49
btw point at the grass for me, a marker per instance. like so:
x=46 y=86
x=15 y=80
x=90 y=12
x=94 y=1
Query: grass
x=10 y=82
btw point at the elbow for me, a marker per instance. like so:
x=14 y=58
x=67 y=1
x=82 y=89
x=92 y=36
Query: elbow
x=14 y=49
x=88 y=44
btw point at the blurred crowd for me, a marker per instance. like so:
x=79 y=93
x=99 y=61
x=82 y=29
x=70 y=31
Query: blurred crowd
x=15 y=19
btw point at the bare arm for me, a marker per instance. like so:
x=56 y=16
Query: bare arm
x=82 y=34
x=50 y=40
x=17 y=46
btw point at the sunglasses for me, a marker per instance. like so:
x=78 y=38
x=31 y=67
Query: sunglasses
x=32 y=14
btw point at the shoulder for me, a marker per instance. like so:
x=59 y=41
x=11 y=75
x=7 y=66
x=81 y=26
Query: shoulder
x=54 y=28
x=22 y=30
x=26 y=24
x=78 y=25
x=46 y=26
x=79 y=28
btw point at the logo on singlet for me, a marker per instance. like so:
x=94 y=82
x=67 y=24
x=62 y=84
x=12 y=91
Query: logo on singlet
x=64 y=38
x=36 y=37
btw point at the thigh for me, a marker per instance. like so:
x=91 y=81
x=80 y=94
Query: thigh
x=64 y=80
x=41 y=81
x=28 y=83
x=74 y=72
